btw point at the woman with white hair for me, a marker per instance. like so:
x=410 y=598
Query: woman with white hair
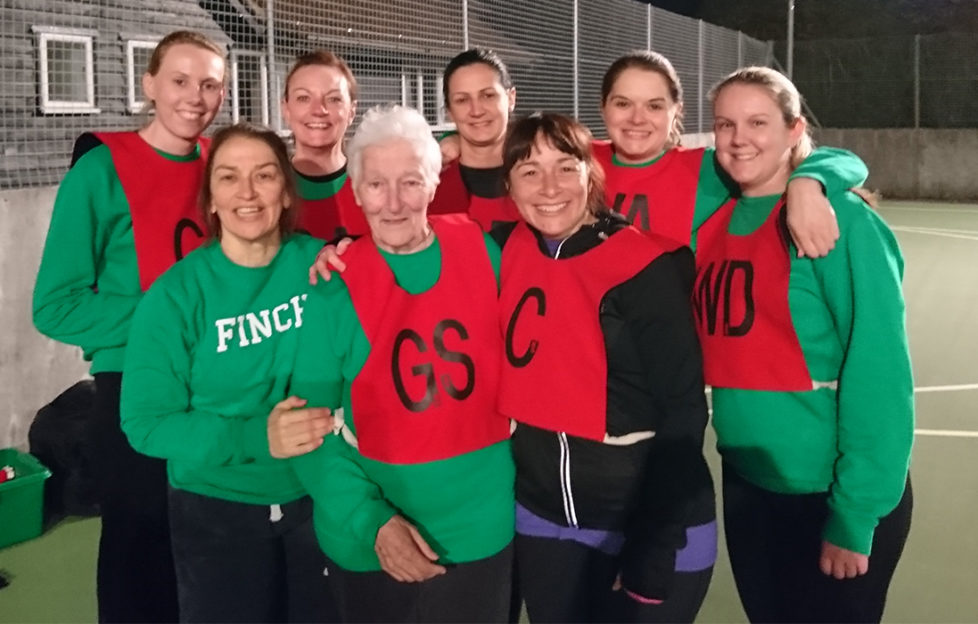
x=414 y=500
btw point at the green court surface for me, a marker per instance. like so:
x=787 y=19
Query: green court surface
x=52 y=578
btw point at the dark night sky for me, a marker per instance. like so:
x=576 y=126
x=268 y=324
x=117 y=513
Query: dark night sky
x=818 y=19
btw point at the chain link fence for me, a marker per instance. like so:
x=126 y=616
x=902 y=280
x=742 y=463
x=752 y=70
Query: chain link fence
x=68 y=66
x=922 y=81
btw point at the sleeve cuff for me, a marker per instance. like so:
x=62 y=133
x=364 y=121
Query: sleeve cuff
x=851 y=532
x=255 y=439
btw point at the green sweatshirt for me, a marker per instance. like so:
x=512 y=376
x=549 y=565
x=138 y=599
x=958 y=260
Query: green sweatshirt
x=837 y=170
x=854 y=441
x=463 y=506
x=88 y=283
x=209 y=356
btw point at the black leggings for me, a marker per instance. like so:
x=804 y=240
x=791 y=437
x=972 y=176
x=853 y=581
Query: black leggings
x=477 y=591
x=565 y=581
x=136 y=579
x=775 y=542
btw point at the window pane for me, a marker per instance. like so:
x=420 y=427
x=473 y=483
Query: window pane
x=140 y=61
x=66 y=71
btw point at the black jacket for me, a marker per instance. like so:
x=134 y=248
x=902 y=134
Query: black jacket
x=654 y=489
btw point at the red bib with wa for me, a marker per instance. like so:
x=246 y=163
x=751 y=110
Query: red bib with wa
x=555 y=369
x=428 y=388
x=452 y=196
x=162 y=197
x=740 y=301
x=333 y=217
x=660 y=197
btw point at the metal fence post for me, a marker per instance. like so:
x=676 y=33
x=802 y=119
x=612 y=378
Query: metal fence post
x=577 y=87
x=465 y=24
x=648 y=27
x=274 y=104
x=916 y=81
x=740 y=49
x=699 y=76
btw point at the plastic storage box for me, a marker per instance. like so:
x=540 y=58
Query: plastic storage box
x=21 y=498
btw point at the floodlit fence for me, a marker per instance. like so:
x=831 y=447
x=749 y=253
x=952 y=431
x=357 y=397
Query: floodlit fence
x=73 y=65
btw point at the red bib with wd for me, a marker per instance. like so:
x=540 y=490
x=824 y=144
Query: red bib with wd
x=660 y=197
x=330 y=217
x=740 y=301
x=162 y=196
x=428 y=388
x=452 y=196
x=555 y=371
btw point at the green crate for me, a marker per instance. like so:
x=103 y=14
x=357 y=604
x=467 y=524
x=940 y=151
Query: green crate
x=22 y=498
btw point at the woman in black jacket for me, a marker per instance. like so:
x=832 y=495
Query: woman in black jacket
x=603 y=375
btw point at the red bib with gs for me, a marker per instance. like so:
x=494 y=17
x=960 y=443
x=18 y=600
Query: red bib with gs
x=452 y=196
x=740 y=301
x=162 y=197
x=555 y=369
x=330 y=217
x=428 y=388
x=660 y=197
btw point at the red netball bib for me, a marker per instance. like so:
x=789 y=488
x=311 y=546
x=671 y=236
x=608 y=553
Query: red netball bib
x=555 y=369
x=331 y=217
x=428 y=388
x=740 y=301
x=658 y=198
x=162 y=196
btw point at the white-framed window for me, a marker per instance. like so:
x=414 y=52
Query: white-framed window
x=66 y=70
x=138 y=52
x=249 y=87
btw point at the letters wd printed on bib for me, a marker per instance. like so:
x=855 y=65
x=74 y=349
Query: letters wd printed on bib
x=247 y=322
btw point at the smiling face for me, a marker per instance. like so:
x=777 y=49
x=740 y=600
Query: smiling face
x=550 y=189
x=318 y=107
x=186 y=92
x=753 y=141
x=479 y=104
x=248 y=193
x=639 y=114
x=394 y=192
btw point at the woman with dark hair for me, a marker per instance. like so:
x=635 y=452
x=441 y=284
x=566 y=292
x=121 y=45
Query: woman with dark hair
x=603 y=376
x=209 y=356
x=811 y=376
x=670 y=190
x=319 y=104
x=125 y=212
x=479 y=97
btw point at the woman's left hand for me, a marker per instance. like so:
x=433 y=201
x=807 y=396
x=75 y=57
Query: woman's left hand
x=811 y=219
x=294 y=429
x=842 y=563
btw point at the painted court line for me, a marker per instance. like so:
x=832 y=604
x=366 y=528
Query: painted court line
x=946 y=433
x=955 y=388
x=929 y=232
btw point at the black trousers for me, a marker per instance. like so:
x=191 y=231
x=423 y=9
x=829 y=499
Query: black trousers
x=566 y=581
x=135 y=579
x=477 y=591
x=238 y=562
x=775 y=541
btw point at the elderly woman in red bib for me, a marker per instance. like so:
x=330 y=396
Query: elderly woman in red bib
x=603 y=376
x=414 y=499
x=124 y=213
x=811 y=376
